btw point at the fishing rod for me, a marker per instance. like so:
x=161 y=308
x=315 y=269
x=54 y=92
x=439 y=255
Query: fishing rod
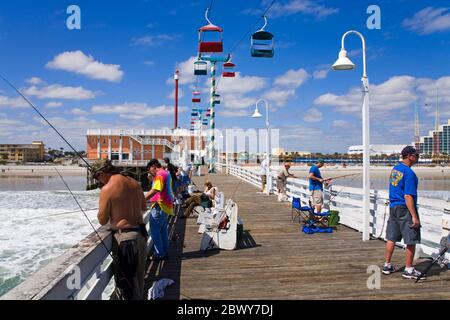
x=45 y=119
x=440 y=259
x=343 y=176
x=95 y=230
x=68 y=188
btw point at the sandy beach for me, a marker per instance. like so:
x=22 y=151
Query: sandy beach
x=44 y=170
x=301 y=171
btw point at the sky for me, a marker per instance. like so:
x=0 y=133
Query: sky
x=117 y=70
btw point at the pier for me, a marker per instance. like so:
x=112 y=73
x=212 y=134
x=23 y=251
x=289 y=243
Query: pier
x=273 y=259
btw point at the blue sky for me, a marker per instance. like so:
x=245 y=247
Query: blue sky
x=115 y=72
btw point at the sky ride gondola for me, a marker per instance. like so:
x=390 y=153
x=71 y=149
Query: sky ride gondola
x=210 y=37
x=262 y=43
x=196 y=97
x=229 y=70
x=200 y=68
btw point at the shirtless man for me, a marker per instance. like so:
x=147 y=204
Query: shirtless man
x=122 y=205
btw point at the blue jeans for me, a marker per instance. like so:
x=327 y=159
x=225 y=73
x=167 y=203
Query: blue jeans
x=158 y=230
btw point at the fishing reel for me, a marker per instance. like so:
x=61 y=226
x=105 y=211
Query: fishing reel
x=445 y=246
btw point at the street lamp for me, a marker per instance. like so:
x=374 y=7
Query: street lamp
x=257 y=114
x=344 y=63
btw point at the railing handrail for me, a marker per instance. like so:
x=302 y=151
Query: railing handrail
x=57 y=280
x=432 y=211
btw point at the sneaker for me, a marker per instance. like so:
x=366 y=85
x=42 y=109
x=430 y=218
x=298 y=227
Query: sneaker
x=389 y=270
x=413 y=275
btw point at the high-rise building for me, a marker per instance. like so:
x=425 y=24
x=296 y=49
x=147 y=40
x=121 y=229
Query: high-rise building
x=437 y=142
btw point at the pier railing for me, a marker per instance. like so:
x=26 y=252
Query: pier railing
x=434 y=213
x=84 y=272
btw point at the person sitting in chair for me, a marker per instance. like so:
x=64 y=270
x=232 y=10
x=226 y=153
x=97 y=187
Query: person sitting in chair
x=198 y=199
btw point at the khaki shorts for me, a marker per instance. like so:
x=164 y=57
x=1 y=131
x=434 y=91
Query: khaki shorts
x=317 y=197
x=281 y=184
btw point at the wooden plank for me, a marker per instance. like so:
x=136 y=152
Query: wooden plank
x=276 y=261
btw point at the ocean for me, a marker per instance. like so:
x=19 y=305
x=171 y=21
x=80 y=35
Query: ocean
x=35 y=226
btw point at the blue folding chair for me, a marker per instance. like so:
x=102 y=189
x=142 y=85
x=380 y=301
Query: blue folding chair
x=298 y=210
x=307 y=215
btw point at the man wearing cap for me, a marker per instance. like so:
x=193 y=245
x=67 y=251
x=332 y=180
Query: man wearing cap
x=316 y=185
x=404 y=222
x=122 y=205
x=282 y=177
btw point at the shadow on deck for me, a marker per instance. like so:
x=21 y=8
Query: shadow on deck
x=274 y=260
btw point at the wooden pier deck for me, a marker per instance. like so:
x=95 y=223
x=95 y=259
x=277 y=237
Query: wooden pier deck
x=277 y=261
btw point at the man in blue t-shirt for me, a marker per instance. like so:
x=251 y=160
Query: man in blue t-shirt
x=404 y=220
x=316 y=185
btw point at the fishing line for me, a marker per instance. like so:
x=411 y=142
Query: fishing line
x=60 y=214
x=95 y=230
x=43 y=117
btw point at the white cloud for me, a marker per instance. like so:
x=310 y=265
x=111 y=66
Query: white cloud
x=135 y=111
x=321 y=73
x=396 y=93
x=5 y=121
x=291 y=7
x=53 y=104
x=340 y=124
x=313 y=115
x=35 y=81
x=57 y=91
x=240 y=85
x=12 y=102
x=80 y=63
x=292 y=78
x=429 y=20
x=79 y=112
x=234 y=113
x=149 y=63
x=153 y=41
x=284 y=86
x=280 y=96
x=237 y=102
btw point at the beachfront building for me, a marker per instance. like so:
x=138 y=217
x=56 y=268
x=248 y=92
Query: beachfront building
x=436 y=142
x=33 y=152
x=378 y=149
x=127 y=146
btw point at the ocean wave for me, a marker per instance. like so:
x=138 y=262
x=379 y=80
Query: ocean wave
x=38 y=226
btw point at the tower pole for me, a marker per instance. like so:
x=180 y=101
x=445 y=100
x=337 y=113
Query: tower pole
x=176 y=78
x=212 y=151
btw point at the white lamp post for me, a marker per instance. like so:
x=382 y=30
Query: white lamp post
x=257 y=114
x=344 y=63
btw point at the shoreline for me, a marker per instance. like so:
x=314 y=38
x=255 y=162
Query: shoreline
x=37 y=171
x=438 y=173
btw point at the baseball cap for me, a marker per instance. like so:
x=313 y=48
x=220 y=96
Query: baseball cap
x=409 y=150
x=320 y=160
x=102 y=165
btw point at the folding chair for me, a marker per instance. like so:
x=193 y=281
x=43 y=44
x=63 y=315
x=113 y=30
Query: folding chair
x=299 y=211
x=306 y=215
